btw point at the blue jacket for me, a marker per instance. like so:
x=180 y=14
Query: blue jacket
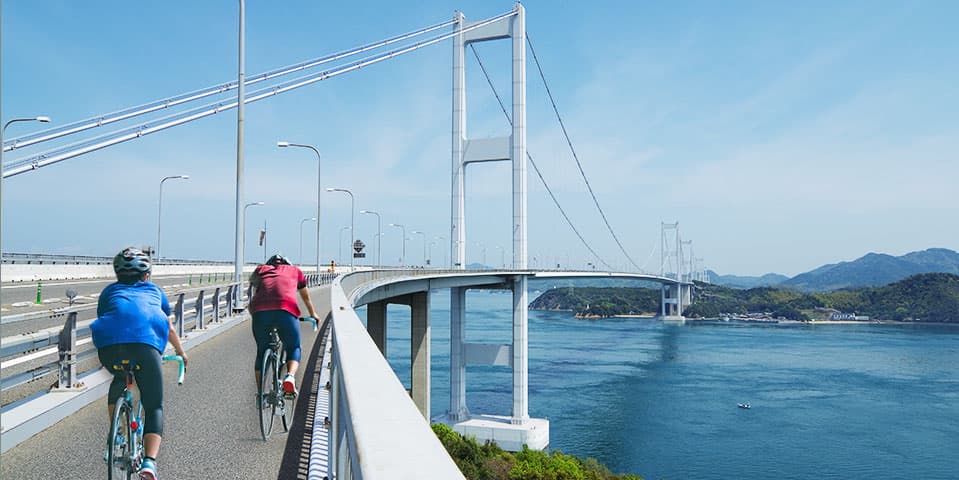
x=132 y=313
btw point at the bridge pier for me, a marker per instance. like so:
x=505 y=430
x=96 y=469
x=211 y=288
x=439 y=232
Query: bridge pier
x=509 y=432
x=419 y=304
x=458 y=410
x=673 y=299
x=376 y=324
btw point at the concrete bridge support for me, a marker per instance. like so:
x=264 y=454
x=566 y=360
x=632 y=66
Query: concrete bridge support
x=674 y=298
x=376 y=324
x=419 y=304
x=458 y=410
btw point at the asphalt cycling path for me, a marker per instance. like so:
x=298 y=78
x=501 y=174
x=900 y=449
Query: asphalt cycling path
x=211 y=427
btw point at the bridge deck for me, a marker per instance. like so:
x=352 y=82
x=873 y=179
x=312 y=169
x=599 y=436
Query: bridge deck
x=210 y=427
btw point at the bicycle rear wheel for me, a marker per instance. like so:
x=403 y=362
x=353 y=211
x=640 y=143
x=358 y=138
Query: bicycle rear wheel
x=268 y=393
x=120 y=444
x=137 y=434
x=288 y=401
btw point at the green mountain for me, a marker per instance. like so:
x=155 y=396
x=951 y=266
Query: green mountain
x=737 y=281
x=874 y=269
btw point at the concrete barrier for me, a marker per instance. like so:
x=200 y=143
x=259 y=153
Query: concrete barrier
x=33 y=273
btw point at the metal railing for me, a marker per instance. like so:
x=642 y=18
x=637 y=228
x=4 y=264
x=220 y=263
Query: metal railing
x=377 y=431
x=193 y=309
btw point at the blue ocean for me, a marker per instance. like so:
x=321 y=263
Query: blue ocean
x=836 y=401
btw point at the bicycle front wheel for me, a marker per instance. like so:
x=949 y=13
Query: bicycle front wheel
x=120 y=444
x=268 y=393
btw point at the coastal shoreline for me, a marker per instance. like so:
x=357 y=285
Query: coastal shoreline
x=651 y=316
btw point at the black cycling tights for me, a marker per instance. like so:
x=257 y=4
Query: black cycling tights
x=149 y=379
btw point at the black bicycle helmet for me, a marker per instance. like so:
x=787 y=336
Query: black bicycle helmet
x=131 y=260
x=278 y=259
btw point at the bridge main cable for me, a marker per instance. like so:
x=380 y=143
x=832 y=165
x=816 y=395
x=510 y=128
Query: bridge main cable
x=43 y=159
x=535 y=168
x=150 y=107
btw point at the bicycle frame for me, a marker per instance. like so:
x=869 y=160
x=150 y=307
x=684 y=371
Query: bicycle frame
x=129 y=436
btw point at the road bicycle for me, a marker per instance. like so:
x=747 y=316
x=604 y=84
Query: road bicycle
x=271 y=400
x=125 y=442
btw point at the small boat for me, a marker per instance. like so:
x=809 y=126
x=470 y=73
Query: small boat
x=744 y=405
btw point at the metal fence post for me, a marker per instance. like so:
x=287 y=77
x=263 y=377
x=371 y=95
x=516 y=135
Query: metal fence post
x=216 y=305
x=67 y=349
x=198 y=324
x=178 y=312
x=230 y=299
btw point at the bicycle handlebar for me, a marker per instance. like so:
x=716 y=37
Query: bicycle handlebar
x=182 y=368
x=311 y=320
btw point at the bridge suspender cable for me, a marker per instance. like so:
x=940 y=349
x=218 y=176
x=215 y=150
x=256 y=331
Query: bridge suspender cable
x=43 y=159
x=576 y=157
x=530 y=157
x=128 y=113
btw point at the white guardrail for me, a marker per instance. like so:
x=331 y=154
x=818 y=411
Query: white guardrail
x=378 y=433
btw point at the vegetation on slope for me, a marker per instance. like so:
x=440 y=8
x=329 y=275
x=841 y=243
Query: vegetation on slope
x=489 y=462
x=601 y=302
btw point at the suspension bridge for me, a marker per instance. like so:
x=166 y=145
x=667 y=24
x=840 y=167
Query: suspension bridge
x=358 y=420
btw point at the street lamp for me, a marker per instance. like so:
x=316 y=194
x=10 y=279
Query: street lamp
x=502 y=256
x=156 y=251
x=317 y=152
x=402 y=255
x=445 y=261
x=248 y=205
x=301 y=236
x=352 y=218
x=42 y=119
x=482 y=246
x=339 y=247
x=417 y=232
x=378 y=233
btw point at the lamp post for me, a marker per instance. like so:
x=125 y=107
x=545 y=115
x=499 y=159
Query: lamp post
x=301 y=236
x=248 y=205
x=318 y=162
x=502 y=256
x=430 y=250
x=339 y=247
x=42 y=119
x=445 y=261
x=352 y=218
x=240 y=227
x=160 y=210
x=417 y=232
x=402 y=255
x=483 y=247
x=378 y=233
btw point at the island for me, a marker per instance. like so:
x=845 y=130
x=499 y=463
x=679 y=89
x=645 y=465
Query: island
x=922 y=298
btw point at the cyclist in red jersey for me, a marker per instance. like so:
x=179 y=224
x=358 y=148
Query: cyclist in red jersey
x=276 y=284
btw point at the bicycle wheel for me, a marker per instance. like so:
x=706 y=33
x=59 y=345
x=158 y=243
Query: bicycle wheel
x=119 y=444
x=268 y=393
x=286 y=401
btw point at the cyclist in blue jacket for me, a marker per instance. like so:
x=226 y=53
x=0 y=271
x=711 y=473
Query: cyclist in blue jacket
x=133 y=324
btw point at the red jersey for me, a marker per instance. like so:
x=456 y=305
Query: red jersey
x=277 y=289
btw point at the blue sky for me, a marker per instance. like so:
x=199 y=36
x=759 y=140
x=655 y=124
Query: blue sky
x=781 y=136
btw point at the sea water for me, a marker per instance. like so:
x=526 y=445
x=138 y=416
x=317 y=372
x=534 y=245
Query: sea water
x=640 y=396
